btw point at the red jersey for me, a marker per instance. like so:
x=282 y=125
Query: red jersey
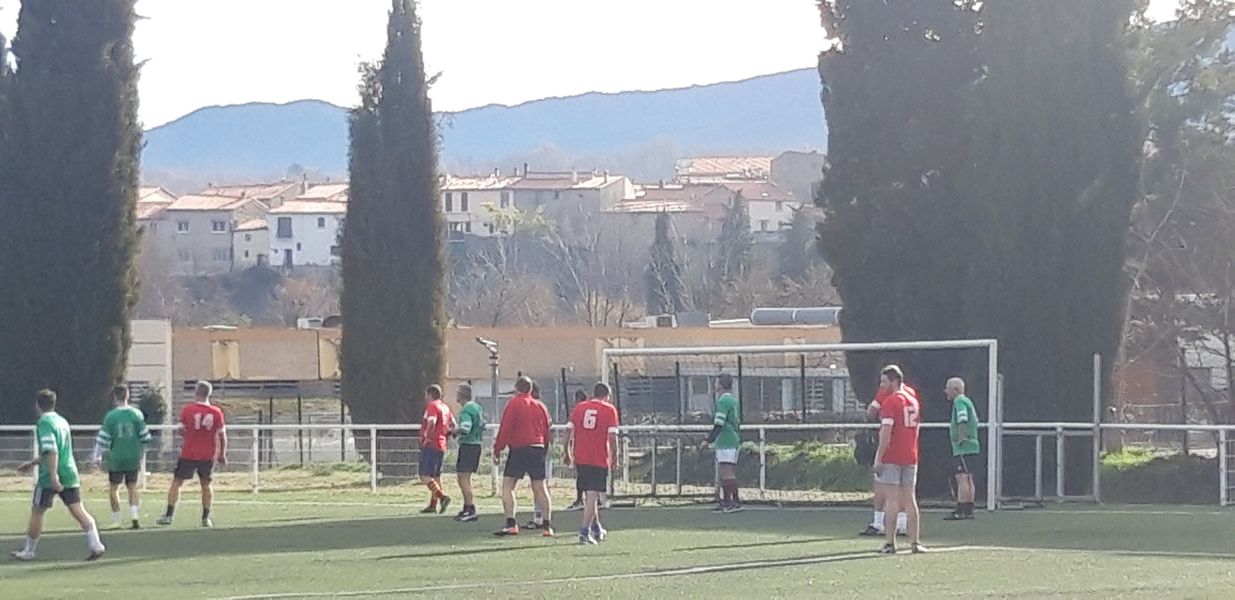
x=590 y=424
x=201 y=422
x=901 y=410
x=435 y=425
x=525 y=422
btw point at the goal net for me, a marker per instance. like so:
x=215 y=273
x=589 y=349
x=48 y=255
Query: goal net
x=806 y=437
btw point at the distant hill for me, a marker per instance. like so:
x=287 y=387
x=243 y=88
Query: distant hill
x=639 y=133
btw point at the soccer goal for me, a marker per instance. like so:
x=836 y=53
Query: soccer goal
x=803 y=414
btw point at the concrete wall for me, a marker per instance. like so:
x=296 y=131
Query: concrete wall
x=289 y=354
x=150 y=356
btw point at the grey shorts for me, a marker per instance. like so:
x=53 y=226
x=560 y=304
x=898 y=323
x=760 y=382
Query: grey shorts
x=897 y=475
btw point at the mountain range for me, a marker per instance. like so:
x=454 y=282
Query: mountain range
x=634 y=133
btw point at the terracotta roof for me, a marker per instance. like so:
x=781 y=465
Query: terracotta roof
x=252 y=225
x=258 y=191
x=653 y=207
x=310 y=207
x=454 y=184
x=208 y=203
x=761 y=190
x=566 y=181
x=154 y=195
x=748 y=167
x=334 y=192
x=150 y=211
x=674 y=191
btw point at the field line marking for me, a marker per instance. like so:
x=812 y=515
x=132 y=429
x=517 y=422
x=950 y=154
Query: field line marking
x=1141 y=553
x=678 y=572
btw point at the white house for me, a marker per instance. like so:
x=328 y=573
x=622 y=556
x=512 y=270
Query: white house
x=251 y=243
x=771 y=206
x=468 y=204
x=305 y=233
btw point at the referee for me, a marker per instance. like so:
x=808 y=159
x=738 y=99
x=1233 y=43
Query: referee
x=963 y=429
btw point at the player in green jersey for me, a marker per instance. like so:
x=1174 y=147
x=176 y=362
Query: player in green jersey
x=471 y=434
x=123 y=437
x=726 y=438
x=57 y=477
x=963 y=428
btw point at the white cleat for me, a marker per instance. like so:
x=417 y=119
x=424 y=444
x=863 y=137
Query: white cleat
x=22 y=555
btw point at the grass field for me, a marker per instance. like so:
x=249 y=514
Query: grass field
x=349 y=543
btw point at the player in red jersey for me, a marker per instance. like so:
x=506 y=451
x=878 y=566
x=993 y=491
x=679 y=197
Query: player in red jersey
x=868 y=443
x=591 y=444
x=205 y=443
x=436 y=425
x=525 y=430
x=896 y=459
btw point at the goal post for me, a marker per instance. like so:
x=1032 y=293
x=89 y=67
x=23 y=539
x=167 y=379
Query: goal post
x=622 y=362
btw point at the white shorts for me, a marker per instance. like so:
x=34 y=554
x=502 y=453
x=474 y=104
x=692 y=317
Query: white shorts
x=898 y=475
x=727 y=456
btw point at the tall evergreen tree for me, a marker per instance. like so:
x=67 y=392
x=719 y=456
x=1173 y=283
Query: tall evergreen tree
x=736 y=243
x=799 y=251
x=68 y=181
x=666 y=293
x=394 y=266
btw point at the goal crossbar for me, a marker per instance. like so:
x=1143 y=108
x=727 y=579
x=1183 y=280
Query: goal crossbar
x=993 y=405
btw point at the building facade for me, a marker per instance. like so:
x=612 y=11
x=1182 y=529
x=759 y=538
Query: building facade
x=200 y=230
x=305 y=233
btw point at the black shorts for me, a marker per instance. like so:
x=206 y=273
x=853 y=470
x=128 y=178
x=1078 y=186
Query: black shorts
x=431 y=462
x=44 y=497
x=964 y=462
x=529 y=460
x=186 y=468
x=468 y=460
x=592 y=479
x=118 y=477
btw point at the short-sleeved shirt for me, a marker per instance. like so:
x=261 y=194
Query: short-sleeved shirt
x=435 y=425
x=201 y=421
x=729 y=419
x=123 y=435
x=471 y=425
x=901 y=411
x=525 y=423
x=964 y=420
x=54 y=435
x=591 y=423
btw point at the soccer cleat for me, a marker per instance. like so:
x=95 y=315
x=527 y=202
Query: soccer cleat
x=533 y=526
x=506 y=532
x=733 y=508
x=547 y=532
x=888 y=549
x=22 y=555
x=470 y=517
x=586 y=539
x=445 y=503
x=135 y=525
x=429 y=510
x=96 y=553
x=164 y=520
x=918 y=548
x=575 y=507
x=955 y=516
x=720 y=508
x=207 y=523
x=871 y=531
x=599 y=533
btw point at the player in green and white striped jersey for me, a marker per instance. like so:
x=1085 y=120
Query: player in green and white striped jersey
x=123 y=437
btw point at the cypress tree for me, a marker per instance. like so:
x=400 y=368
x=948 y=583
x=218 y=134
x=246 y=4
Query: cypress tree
x=667 y=292
x=737 y=243
x=68 y=181
x=393 y=301
x=798 y=253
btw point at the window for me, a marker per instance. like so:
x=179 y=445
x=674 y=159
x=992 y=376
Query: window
x=450 y=202
x=456 y=227
x=183 y=255
x=248 y=237
x=335 y=251
x=182 y=226
x=467 y=227
x=321 y=222
x=780 y=206
x=557 y=195
x=221 y=254
x=298 y=248
x=284 y=230
x=463 y=202
x=246 y=253
x=505 y=202
x=218 y=226
x=763 y=225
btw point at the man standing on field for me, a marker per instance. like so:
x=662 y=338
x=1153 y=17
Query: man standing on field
x=471 y=435
x=726 y=438
x=436 y=426
x=868 y=443
x=57 y=477
x=591 y=444
x=525 y=430
x=205 y=443
x=965 y=447
x=123 y=437
x=896 y=459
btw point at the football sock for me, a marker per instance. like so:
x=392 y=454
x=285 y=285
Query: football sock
x=171 y=511
x=902 y=521
x=133 y=510
x=92 y=538
x=468 y=509
x=32 y=544
x=510 y=522
x=205 y=513
x=877 y=521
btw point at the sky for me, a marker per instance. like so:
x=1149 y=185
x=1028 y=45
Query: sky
x=218 y=52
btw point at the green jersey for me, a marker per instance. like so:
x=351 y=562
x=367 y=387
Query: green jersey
x=964 y=424
x=54 y=435
x=123 y=436
x=471 y=425
x=729 y=419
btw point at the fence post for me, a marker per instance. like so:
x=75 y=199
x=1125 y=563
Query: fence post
x=1097 y=428
x=1037 y=468
x=1224 y=460
x=1059 y=464
x=763 y=463
x=677 y=377
x=802 y=384
x=653 y=466
x=255 y=458
x=300 y=430
x=373 y=460
x=35 y=456
x=143 y=480
x=679 y=466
